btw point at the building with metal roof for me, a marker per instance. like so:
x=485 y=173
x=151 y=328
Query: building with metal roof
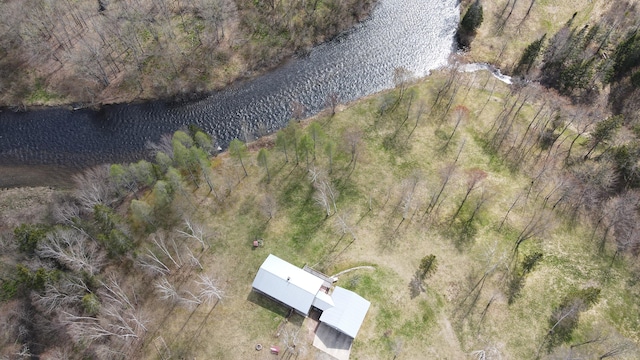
x=302 y=289
x=348 y=311
x=287 y=284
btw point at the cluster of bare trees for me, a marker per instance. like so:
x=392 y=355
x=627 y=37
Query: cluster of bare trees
x=118 y=317
x=169 y=256
x=72 y=249
x=169 y=252
x=95 y=317
x=298 y=24
x=92 y=312
x=79 y=303
x=583 y=181
x=400 y=113
x=87 y=48
x=474 y=302
x=88 y=51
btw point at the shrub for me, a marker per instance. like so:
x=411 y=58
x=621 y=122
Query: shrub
x=91 y=304
x=28 y=236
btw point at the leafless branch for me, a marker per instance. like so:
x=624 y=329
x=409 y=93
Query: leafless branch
x=72 y=248
x=93 y=187
x=152 y=263
x=167 y=291
x=192 y=259
x=158 y=239
x=209 y=290
x=193 y=231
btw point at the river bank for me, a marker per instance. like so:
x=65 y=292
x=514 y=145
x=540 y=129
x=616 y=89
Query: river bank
x=58 y=176
x=124 y=53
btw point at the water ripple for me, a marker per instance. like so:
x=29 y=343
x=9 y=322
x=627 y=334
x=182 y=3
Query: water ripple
x=414 y=34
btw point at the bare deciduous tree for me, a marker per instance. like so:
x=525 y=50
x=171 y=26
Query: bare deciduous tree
x=269 y=206
x=332 y=102
x=167 y=291
x=192 y=259
x=72 y=249
x=343 y=225
x=397 y=347
x=293 y=341
x=493 y=260
x=474 y=177
x=325 y=195
x=66 y=292
x=86 y=328
x=460 y=113
x=194 y=231
x=163 y=145
x=210 y=292
x=352 y=140
x=623 y=219
x=297 y=110
x=540 y=222
x=408 y=194
x=422 y=109
x=93 y=187
x=445 y=175
x=151 y=263
x=119 y=306
x=159 y=240
x=118 y=318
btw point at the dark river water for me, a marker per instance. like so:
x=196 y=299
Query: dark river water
x=414 y=34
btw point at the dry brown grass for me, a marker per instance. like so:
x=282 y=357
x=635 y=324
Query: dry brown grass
x=24 y=205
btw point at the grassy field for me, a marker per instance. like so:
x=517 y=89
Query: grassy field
x=449 y=165
x=464 y=310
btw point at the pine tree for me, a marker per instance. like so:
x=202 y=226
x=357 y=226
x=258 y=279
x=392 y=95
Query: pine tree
x=469 y=24
x=529 y=56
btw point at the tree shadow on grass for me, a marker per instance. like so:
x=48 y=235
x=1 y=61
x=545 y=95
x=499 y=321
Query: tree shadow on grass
x=196 y=335
x=462 y=233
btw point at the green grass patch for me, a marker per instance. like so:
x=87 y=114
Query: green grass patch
x=41 y=95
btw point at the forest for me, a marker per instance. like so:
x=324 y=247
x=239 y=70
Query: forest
x=89 y=53
x=485 y=220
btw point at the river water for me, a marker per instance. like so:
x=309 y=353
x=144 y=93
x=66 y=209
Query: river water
x=413 y=34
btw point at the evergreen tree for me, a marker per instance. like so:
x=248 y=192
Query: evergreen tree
x=529 y=56
x=472 y=18
x=625 y=59
x=428 y=266
x=469 y=24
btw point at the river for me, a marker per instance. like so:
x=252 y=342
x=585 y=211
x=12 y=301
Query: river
x=413 y=34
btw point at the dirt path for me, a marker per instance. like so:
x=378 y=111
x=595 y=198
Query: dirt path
x=449 y=335
x=352 y=269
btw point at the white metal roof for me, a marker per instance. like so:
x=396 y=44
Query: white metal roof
x=323 y=301
x=287 y=283
x=348 y=313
